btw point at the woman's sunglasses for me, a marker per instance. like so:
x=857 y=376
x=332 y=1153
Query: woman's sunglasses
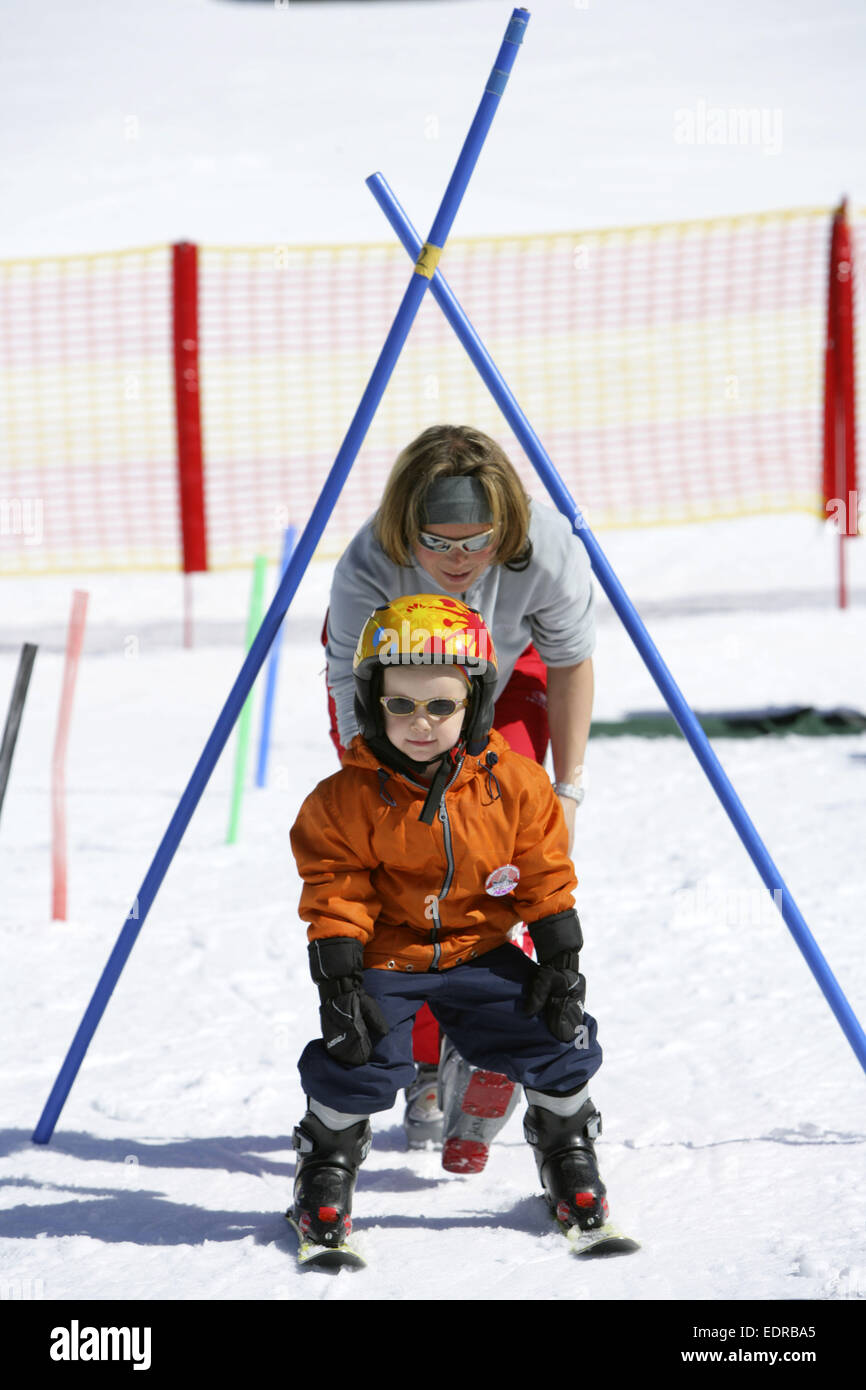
x=437 y=708
x=442 y=547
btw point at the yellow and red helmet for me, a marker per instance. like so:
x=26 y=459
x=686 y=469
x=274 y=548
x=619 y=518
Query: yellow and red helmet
x=426 y=630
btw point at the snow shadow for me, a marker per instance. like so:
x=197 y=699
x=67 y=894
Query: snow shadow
x=391 y=1140
x=232 y=1154
x=528 y=1215
x=126 y=1210
x=140 y=1217
x=121 y=1210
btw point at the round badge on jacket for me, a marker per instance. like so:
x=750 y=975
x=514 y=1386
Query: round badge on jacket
x=501 y=881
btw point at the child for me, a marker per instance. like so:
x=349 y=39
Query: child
x=455 y=517
x=418 y=857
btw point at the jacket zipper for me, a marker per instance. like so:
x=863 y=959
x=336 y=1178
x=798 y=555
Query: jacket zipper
x=449 y=873
x=449 y=857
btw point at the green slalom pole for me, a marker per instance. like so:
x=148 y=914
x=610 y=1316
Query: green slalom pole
x=254 y=622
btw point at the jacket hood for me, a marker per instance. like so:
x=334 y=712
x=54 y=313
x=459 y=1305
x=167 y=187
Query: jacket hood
x=359 y=754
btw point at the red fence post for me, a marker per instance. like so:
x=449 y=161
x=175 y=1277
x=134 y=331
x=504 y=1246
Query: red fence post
x=188 y=406
x=840 y=442
x=188 y=415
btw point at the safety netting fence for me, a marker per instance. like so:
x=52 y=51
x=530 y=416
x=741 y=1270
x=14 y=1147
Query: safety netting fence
x=674 y=373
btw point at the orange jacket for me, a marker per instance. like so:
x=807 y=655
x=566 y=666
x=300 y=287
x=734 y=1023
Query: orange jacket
x=418 y=896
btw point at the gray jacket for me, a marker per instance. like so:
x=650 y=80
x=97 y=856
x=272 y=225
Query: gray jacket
x=550 y=604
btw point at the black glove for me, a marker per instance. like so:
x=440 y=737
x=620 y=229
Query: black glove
x=556 y=985
x=351 y=1021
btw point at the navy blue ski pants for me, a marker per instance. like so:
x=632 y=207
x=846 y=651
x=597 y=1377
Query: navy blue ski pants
x=480 y=1007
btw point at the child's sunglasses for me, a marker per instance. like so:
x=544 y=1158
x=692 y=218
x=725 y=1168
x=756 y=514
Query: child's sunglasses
x=437 y=708
x=442 y=547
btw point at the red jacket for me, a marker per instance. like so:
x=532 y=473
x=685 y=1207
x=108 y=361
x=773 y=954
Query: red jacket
x=420 y=896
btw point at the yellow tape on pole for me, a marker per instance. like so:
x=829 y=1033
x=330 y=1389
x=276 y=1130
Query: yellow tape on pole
x=428 y=260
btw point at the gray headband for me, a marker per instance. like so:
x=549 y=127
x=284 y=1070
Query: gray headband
x=456 y=499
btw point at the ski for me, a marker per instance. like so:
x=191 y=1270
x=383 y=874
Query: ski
x=604 y=1240
x=310 y=1253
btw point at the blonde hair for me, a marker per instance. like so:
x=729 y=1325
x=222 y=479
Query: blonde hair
x=446 y=451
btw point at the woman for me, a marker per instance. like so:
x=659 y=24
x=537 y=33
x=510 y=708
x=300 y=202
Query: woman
x=455 y=518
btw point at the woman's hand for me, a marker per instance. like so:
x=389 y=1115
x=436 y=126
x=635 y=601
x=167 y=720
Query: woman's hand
x=569 y=808
x=569 y=713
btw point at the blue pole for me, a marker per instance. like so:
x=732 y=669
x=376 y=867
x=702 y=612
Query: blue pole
x=289 y=539
x=673 y=696
x=303 y=553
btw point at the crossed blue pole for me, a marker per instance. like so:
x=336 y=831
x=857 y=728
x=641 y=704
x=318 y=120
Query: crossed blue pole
x=303 y=553
x=631 y=620
x=426 y=259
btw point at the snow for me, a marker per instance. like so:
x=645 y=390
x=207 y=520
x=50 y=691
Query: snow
x=225 y=122
x=733 y=1105
x=729 y=1092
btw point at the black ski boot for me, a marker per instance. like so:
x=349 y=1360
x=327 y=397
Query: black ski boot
x=328 y=1163
x=565 y=1155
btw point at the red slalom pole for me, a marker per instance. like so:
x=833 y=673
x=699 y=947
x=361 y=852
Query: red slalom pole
x=74 y=643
